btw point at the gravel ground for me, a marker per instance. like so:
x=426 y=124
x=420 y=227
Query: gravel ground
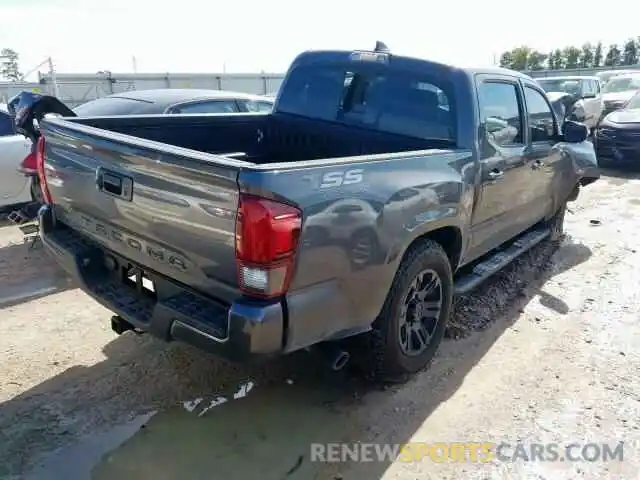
x=545 y=352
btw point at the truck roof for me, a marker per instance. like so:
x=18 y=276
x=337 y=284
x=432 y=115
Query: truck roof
x=313 y=56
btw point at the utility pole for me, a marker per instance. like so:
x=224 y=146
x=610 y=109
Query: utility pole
x=135 y=64
x=52 y=72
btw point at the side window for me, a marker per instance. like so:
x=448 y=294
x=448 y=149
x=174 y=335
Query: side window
x=217 y=106
x=589 y=87
x=258 y=106
x=500 y=112
x=541 y=121
x=6 y=125
x=596 y=86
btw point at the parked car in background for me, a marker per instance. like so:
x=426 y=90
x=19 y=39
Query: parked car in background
x=14 y=186
x=607 y=75
x=152 y=102
x=618 y=136
x=174 y=101
x=619 y=90
x=587 y=104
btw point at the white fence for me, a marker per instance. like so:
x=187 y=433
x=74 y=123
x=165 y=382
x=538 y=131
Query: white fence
x=577 y=71
x=75 y=89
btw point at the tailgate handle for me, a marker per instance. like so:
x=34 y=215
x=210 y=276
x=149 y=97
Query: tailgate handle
x=114 y=184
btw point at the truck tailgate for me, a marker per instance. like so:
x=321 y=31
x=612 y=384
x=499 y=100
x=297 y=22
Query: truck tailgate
x=167 y=209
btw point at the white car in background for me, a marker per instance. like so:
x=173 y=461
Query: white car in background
x=15 y=187
x=588 y=103
x=619 y=90
x=609 y=74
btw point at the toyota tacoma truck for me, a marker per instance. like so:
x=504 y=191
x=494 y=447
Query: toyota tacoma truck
x=378 y=188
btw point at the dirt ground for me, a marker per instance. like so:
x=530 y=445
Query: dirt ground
x=548 y=351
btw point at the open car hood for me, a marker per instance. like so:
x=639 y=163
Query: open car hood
x=27 y=106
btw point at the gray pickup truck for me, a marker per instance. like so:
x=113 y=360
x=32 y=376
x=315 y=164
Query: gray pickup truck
x=378 y=188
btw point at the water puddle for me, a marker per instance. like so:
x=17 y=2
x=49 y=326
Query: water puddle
x=250 y=431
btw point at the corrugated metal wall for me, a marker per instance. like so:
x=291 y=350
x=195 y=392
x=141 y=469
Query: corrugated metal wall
x=75 y=89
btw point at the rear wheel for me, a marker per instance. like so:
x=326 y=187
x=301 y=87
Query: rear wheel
x=409 y=330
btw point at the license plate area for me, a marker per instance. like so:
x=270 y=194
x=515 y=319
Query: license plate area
x=136 y=278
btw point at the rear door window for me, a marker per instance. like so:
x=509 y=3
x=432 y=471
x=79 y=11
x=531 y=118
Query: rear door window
x=501 y=112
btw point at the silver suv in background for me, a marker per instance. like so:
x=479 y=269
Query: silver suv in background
x=609 y=74
x=588 y=106
x=619 y=90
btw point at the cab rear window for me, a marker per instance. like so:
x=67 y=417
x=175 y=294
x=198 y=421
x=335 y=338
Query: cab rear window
x=372 y=96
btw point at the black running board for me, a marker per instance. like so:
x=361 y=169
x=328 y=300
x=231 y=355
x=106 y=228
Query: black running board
x=497 y=261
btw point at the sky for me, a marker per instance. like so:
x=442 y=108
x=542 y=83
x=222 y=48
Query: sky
x=86 y=36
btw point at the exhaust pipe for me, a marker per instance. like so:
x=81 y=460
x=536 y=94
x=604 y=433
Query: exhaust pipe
x=335 y=357
x=120 y=325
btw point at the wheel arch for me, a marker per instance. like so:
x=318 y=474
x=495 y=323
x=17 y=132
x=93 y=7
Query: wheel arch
x=448 y=237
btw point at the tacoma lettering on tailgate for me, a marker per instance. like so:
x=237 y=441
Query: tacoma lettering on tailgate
x=100 y=230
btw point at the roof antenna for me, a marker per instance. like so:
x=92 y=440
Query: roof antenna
x=381 y=47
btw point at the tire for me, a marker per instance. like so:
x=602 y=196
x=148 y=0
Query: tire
x=390 y=360
x=556 y=224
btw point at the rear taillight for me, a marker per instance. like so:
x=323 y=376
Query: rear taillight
x=29 y=165
x=41 y=171
x=267 y=235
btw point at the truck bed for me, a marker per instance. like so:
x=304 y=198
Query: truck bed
x=164 y=201
x=259 y=138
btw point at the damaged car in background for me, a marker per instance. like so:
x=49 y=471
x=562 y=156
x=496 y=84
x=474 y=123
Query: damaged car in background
x=617 y=138
x=578 y=98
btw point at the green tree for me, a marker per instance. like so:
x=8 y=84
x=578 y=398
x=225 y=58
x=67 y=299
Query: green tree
x=536 y=60
x=612 y=58
x=571 y=56
x=630 y=52
x=586 y=57
x=520 y=57
x=9 y=67
x=506 y=60
x=550 y=60
x=558 y=59
x=597 y=55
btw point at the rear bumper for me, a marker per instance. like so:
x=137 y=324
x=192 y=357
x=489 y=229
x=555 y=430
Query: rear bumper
x=242 y=331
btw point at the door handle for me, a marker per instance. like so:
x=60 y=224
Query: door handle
x=495 y=174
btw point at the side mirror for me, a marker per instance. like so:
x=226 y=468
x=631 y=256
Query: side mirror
x=574 y=132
